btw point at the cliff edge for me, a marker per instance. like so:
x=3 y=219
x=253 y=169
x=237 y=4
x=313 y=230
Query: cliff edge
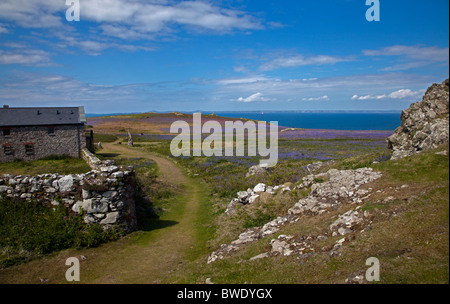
x=425 y=125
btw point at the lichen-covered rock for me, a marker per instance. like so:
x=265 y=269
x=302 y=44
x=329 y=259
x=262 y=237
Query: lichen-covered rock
x=425 y=125
x=347 y=222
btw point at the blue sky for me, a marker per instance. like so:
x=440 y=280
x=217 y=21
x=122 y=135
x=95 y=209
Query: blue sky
x=221 y=55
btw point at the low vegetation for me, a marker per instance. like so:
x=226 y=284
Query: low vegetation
x=30 y=229
x=227 y=175
x=51 y=164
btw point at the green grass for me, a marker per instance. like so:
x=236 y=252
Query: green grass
x=105 y=138
x=52 y=164
x=427 y=166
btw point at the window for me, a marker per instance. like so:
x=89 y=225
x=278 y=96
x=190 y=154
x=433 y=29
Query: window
x=8 y=149
x=6 y=132
x=51 y=131
x=29 y=149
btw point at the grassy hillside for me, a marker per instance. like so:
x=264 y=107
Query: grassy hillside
x=408 y=234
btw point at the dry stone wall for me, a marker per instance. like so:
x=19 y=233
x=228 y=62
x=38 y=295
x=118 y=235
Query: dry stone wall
x=104 y=195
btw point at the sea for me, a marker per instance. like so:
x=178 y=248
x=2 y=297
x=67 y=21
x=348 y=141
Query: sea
x=325 y=120
x=385 y=121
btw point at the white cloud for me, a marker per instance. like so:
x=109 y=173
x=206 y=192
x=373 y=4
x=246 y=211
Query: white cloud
x=253 y=98
x=400 y=94
x=3 y=29
x=336 y=88
x=433 y=53
x=240 y=69
x=241 y=80
x=405 y=93
x=33 y=13
x=320 y=86
x=411 y=56
x=125 y=32
x=300 y=60
x=25 y=89
x=26 y=57
x=136 y=18
x=325 y=97
x=111 y=22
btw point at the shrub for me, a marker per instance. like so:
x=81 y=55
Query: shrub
x=29 y=226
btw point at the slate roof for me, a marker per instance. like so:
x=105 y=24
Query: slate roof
x=41 y=116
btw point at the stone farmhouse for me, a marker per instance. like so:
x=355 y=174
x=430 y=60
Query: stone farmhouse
x=34 y=133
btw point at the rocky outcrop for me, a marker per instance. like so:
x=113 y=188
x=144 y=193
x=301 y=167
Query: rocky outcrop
x=425 y=125
x=304 y=246
x=341 y=186
x=328 y=191
x=248 y=197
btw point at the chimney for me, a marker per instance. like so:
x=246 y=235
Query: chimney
x=5 y=106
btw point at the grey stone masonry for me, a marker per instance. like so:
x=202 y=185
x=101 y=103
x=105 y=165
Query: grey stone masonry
x=35 y=142
x=105 y=195
x=37 y=132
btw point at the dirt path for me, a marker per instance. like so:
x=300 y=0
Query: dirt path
x=168 y=171
x=154 y=256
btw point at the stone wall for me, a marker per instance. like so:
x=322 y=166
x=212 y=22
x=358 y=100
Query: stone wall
x=65 y=140
x=105 y=195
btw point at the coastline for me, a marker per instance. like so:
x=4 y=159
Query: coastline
x=317 y=120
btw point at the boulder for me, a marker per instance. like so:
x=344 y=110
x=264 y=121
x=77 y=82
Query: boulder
x=260 y=188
